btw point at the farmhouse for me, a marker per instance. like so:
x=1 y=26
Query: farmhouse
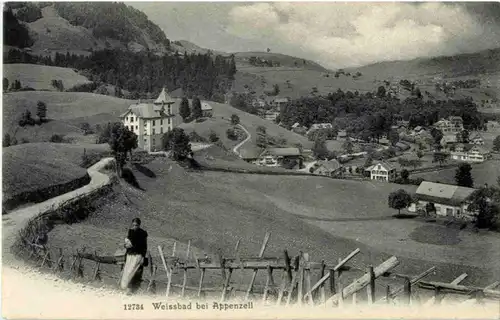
x=331 y=168
x=206 y=110
x=448 y=140
x=476 y=139
x=271 y=115
x=276 y=157
x=450 y=125
x=382 y=171
x=470 y=153
x=149 y=121
x=449 y=200
x=251 y=155
x=297 y=128
x=342 y=134
x=319 y=126
x=279 y=102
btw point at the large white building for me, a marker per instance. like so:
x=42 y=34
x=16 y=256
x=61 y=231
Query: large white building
x=149 y=121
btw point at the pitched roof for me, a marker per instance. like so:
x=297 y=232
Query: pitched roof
x=283 y=151
x=281 y=100
x=455 y=118
x=164 y=98
x=177 y=93
x=387 y=166
x=321 y=126
x=252 y=153
x=144 y=110
x=342 y=133
x=295 y=125
x=443 y=193
x=205 y=106
x=449 y=139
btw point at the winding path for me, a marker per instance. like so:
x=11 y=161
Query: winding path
x=249 y=136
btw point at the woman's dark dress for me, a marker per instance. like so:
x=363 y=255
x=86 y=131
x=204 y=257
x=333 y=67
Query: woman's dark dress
x=139 y=246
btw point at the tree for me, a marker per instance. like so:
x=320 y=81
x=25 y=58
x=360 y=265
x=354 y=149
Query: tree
x=276 y=89
x=381 y=92
x=235 y=120
x=437 y=135
x=348 y=146
x=121 y=141
x=319 y=148
x=178 y=143
x=368 y=161
x=405 y=174
x=212 y=137
x=41 y=111
x=463 y=176
x=6 y=140
x=393 y=137
x=184 y=110
x=197 y=113
x=5 y=84
x=399 y=199
x=485 y=202
x=440 y=157
x=261 y=129
x=420 y=154
x=232 y=135
x=496 y=144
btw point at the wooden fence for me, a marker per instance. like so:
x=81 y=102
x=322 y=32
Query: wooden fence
x=296 y=275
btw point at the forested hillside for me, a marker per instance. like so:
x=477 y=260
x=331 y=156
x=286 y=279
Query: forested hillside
x=371 y=116
x=140 y=73
x=112 y=20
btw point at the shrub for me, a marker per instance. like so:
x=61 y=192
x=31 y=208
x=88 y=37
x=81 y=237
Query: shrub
x=231 y=134
x=58 y=138
x=195 y=137
x=213 y=136
x=235 y=119
x=7 y=141
x=24 y=140
x=86 y=128
x=85 y=87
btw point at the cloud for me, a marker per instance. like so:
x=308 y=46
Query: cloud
x=350 y=34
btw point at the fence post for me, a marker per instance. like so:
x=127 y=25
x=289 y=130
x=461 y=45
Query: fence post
x=184 y=280
x=407 y=291
x=254 y=275
x=268 y=282
x=301 y=279
x=333 y=289
x=388 y=294
x=371 y=286
x=96 y=274
x=322 y=289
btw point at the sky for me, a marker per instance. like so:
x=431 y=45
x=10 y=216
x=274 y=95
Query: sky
x=334 y=34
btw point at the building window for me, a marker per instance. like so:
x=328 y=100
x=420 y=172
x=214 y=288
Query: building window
x=161 y=122
x=169 y=121
x=161 y=129
x=153 y=122
x=136 y=127
x=169 y=110
x=153 y=130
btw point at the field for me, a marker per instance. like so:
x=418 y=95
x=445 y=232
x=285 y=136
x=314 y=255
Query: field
x=34 y=166
x=65 y=110
x=325 y=217
x=40 y=77
x=483 y=173
x=220 y=122
x=425 y=71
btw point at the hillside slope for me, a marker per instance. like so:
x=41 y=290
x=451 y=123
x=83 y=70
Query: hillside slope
x=295 y=80
x=81 y=27
x=39 y=77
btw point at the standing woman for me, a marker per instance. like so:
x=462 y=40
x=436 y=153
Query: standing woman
x=137 y=246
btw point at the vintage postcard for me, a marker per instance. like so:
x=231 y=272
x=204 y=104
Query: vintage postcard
x=251 y=160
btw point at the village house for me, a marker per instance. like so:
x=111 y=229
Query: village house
x=258 y=103
x=448 y=200
x=382 y=171
x=149 y=121
x=275 y=157
x=279 y=102
x=451 y=125
x=469 y=153
x=251 y=155
x=271 y=115
x=476 y=139
x=319 y=126
x=331 y=168
x=342 y=134
x=448 y=141
x=206 y=110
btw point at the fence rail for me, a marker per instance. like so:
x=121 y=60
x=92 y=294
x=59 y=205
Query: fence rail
x=293 y=284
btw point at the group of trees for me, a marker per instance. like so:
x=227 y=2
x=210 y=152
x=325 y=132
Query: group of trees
x=368 y=116
x=121 y=141
x=139 y=73
x=259 y=62
x=41 y=112
x=189 y=113
x=14 y=33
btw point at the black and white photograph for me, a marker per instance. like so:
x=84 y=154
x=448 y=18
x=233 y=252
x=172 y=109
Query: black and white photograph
x=250 y=160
